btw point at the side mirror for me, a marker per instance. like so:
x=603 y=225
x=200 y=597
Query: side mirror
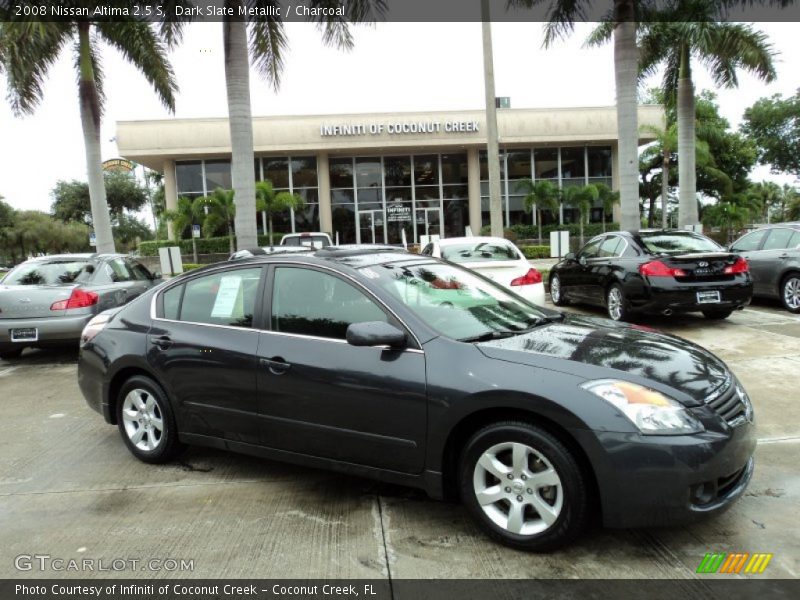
x=582 y=261
x=569 y=256
x=156 y=275
x=375 y=333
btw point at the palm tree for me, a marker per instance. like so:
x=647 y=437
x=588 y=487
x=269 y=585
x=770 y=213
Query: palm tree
x=218 y=210
x=539 y=196
x=684 y=29
x=561 y=17
x=666 y=143
x=608 y=198
x=582 y=198
x=29 y=49
x=267 y=43
x=270 y=202
x=182 y=217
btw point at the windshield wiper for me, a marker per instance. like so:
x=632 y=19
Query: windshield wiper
x=489 y=335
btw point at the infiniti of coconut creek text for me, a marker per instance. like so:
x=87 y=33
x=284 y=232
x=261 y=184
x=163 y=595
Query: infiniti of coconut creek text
x=117 y=590
x=156 y=11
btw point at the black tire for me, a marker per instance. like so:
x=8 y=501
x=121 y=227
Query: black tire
x=547 y=452
x=617 y=304
x=789 y=287
x=717 y=314
x=164 y=442
x=9 y=354
x=557 y=297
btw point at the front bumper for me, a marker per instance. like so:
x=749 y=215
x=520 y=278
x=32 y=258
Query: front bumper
x=682 y=297
x=647 y=481
x=51 y=330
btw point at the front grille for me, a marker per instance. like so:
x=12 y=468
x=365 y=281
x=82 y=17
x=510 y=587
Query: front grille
x=730 y=404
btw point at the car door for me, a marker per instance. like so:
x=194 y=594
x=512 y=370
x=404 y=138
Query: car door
x=601 y=267
x=202 y=344
x=320 y=396
x=749 y=247
x=768 y=263
x=581 y=278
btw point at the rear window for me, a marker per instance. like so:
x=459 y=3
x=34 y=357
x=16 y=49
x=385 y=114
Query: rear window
x=479 y=251
x=678 y=243
x=309 y=241
x=51 y=272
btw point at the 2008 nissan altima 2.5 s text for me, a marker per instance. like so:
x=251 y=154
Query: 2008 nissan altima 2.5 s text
x=411 y=370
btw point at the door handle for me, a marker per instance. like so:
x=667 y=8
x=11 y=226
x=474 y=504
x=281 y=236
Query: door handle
x=163 y=342
x=276 y=365
x=784 y=255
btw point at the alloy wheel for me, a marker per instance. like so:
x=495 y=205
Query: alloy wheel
x=143 y=419
x=615 y=303
x=517 y=488
x=791 y=293
x=555 y=289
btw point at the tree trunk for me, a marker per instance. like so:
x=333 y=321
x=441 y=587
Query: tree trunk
x=230 y=239
x=581 y=230
x=687 y=175
x=651 y=212
x=270 y=230
x=492 y=146
x=90 y=120
x=626 y=58
x=664 y=190
x=539 y=222
x=237 y=80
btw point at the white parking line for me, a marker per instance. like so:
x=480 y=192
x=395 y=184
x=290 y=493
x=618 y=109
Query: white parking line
x=7 y=371
x=789 y=439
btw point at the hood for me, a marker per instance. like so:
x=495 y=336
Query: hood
x=600 y=348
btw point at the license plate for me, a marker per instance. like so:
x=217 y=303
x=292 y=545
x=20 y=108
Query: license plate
x=24 y=334
x=708 y=297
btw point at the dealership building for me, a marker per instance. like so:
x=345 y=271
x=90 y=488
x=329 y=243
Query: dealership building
x=368 y=177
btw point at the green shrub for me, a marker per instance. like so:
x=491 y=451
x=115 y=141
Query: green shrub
x=535 y=251
x=589 y=230
x=212 y=245
x=508 y=233
x=190 y=266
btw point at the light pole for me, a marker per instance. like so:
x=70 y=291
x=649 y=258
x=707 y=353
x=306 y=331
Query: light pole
x=492 y=145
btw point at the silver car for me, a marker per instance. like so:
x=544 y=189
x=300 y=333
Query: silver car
x=47 y=301
x=773 y=253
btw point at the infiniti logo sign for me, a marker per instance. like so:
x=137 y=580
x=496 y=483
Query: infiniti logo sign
x=24 y=300
x=702 y=263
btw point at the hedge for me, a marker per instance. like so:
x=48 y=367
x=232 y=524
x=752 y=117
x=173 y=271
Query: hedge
x=535 y=251
x=212 y=245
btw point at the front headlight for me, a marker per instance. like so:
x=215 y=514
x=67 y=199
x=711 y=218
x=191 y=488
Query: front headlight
x=651 y=411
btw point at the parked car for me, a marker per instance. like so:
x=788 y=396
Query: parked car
x=653 y=271
x=416 y=371
x=773 y=253
x=47 y=301
x=495 y=258
x=315 y=239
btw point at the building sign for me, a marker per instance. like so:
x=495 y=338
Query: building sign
x=398 y=128
x=398 y=213
x=118 y=165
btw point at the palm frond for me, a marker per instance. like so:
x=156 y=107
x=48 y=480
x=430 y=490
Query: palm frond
x=268 y=42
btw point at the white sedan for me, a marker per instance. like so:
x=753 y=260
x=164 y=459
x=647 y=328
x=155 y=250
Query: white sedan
x=495 y=258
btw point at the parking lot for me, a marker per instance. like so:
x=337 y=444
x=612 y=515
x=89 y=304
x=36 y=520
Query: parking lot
x=70 y=489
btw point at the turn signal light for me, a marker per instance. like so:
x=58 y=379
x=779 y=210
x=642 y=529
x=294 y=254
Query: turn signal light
x=740 y=266
x=78 y=299
x=656 y=268
x=531 y=277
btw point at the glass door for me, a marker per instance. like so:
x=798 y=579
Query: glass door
x=370 y=227
x=428 y=222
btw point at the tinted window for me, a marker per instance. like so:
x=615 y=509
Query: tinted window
x=227 y=298
x=50 y=272
x=795 y=241
x=678 y=242
x=611 y=247
x=590 y=250
x=138 y=270
x=172 y=302
x=309 y=241
x=118 y=271
x=749 y=242
x=310 y=302
x=778 y=239
x=428 y=250
x=479 y=252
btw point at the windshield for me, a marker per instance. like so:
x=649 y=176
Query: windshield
x=50 y=272
x=479 y=251
x=678 y=242
x=457 y=303
x=309 y=241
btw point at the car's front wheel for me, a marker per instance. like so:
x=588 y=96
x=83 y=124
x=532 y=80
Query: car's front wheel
x=146 y=421
x=790 y=293
x=523 y=486
x=556 y=293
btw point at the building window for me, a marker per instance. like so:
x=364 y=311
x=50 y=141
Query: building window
x=296 y=175
x=189 y=177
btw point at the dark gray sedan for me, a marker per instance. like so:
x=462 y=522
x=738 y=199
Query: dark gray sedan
x=773 y=253
x=48 y=300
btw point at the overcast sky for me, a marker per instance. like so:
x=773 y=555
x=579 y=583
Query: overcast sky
x=393 y=67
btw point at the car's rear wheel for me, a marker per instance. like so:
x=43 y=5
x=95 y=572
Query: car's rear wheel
x=790 y=293
x=146 y=421
x=7 y=354
x=717 y=314
x=616 y=305
x=556 y=293
x=523 y=486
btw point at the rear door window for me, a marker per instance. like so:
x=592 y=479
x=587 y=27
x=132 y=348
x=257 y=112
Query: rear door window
x=610 y=247
x=749 y=242
x=778 y=239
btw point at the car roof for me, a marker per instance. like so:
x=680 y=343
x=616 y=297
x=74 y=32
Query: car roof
x=476 y=238
x=76 y=256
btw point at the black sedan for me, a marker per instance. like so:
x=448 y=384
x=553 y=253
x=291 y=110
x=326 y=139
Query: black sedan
x=418 y=372
x=653 y=271
x=773 y=253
